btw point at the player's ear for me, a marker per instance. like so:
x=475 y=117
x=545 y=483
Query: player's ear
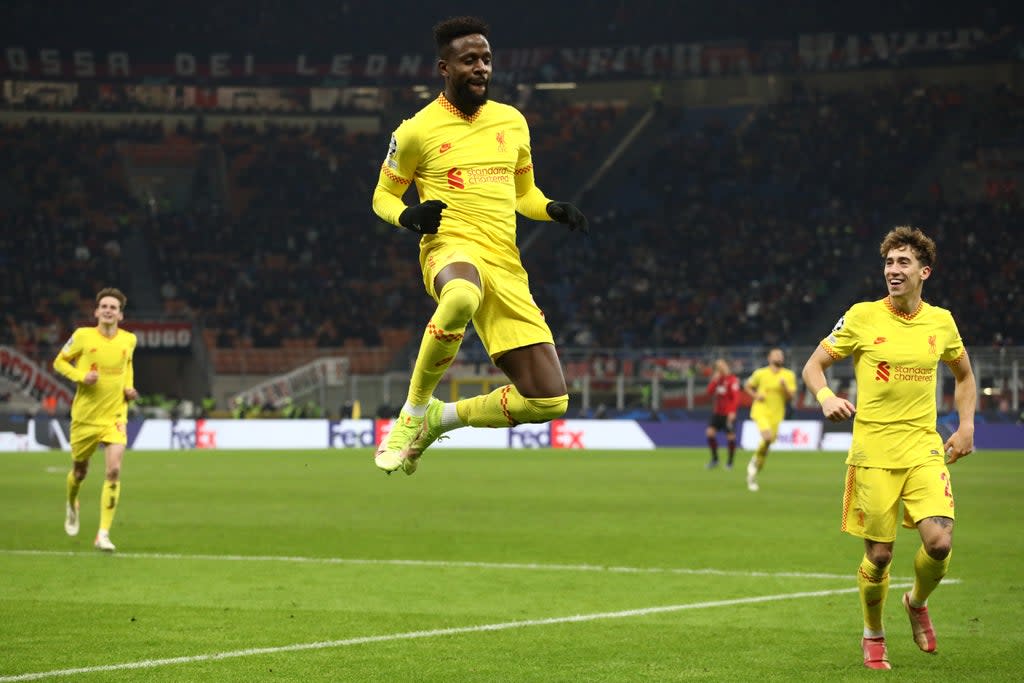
x=442 y=67
x=926 y=272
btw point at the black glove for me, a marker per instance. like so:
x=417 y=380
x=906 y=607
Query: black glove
x=424 y=218
x=564 y=212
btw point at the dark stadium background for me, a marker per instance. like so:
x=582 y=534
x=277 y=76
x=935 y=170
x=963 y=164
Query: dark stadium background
x=739 y=162
x=739 y=167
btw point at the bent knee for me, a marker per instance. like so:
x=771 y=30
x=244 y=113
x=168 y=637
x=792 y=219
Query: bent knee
x=939 y=549
x=458 y=303
x=880 y=555
x=542 y=409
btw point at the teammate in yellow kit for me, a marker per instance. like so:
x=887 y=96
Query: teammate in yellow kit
x=771 y=387
x=897 y=454
x=470 y=160
x=99 y=360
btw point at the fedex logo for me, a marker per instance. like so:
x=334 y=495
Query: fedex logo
x=205 y=437
x=555 y=434
x=797 y=437
x=194 y=436
x=338 y=436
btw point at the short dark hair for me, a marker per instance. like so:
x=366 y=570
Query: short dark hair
x=456 y=27
x=906 y=236
x=114 y=292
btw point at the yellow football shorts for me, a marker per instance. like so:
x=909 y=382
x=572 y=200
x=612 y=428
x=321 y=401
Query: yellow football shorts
x=767 y=423
x=508 y=317
x=871 y=501
x=86 y=438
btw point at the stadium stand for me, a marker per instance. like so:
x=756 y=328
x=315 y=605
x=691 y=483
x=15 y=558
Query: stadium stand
x=770 y=210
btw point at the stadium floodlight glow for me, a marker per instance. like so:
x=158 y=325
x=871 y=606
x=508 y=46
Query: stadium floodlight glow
x=556 y=86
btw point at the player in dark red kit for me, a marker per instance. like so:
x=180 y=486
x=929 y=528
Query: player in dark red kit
x=725 y=389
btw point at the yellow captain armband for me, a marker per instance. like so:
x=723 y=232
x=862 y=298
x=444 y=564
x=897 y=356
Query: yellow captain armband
x=824 y=393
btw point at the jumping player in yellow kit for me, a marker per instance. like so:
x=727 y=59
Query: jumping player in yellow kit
x=99 y=360
x=470 y=161
x=897 y=454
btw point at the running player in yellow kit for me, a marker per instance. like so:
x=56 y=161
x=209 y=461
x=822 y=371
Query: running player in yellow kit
x=771 y=389
x=897 y=454
x=99 y=360
x=470 y=161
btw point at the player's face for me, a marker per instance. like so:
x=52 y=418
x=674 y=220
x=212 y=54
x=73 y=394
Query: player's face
x=904 y=274
x=776 y=358
x=722 y=367
x=467 y=68
x=108 y=311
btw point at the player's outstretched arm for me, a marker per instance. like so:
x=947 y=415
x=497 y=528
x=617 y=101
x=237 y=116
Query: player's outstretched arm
x=834 y=408
x=965 y=397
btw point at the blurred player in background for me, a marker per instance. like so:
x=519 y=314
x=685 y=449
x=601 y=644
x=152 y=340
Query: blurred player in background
x=771 y=389
x=470 y=160
x=897 y=454
x=99 y=360
x=724 y=388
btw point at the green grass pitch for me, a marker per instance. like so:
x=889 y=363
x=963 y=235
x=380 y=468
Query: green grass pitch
x=485 y=566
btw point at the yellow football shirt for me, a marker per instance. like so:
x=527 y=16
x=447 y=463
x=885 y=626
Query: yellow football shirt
x=102 y=403
x=480 y=166
x=773 y=385
x=895 y=357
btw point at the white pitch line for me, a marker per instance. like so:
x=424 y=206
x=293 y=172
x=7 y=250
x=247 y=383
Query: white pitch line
x=411 y=635
x=453 y=564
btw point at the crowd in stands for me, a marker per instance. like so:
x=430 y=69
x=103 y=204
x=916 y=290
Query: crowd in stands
x=745 y=226
x=65 y=211
x=757 y=226
x=298 y=255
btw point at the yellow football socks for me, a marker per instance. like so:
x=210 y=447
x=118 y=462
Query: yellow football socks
x=108 y=503
x=760 y=454
x=928 y=572
x=874 y=588
x=506 y=407
x=73 y=485
x=456 y=306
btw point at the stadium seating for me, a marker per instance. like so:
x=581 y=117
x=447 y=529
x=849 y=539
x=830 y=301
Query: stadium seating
x=739 y=226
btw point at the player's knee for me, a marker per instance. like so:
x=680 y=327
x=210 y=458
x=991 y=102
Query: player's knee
x=880 y=556
x=542 y=409
x=113 y=474
x=939 y=548
x=710 y=431
x=81 y=469
x=457 y=304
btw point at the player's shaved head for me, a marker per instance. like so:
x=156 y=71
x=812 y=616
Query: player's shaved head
x=456 y=27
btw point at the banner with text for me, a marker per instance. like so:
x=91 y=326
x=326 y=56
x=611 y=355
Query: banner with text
x=43 y=433
x=313 y=66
